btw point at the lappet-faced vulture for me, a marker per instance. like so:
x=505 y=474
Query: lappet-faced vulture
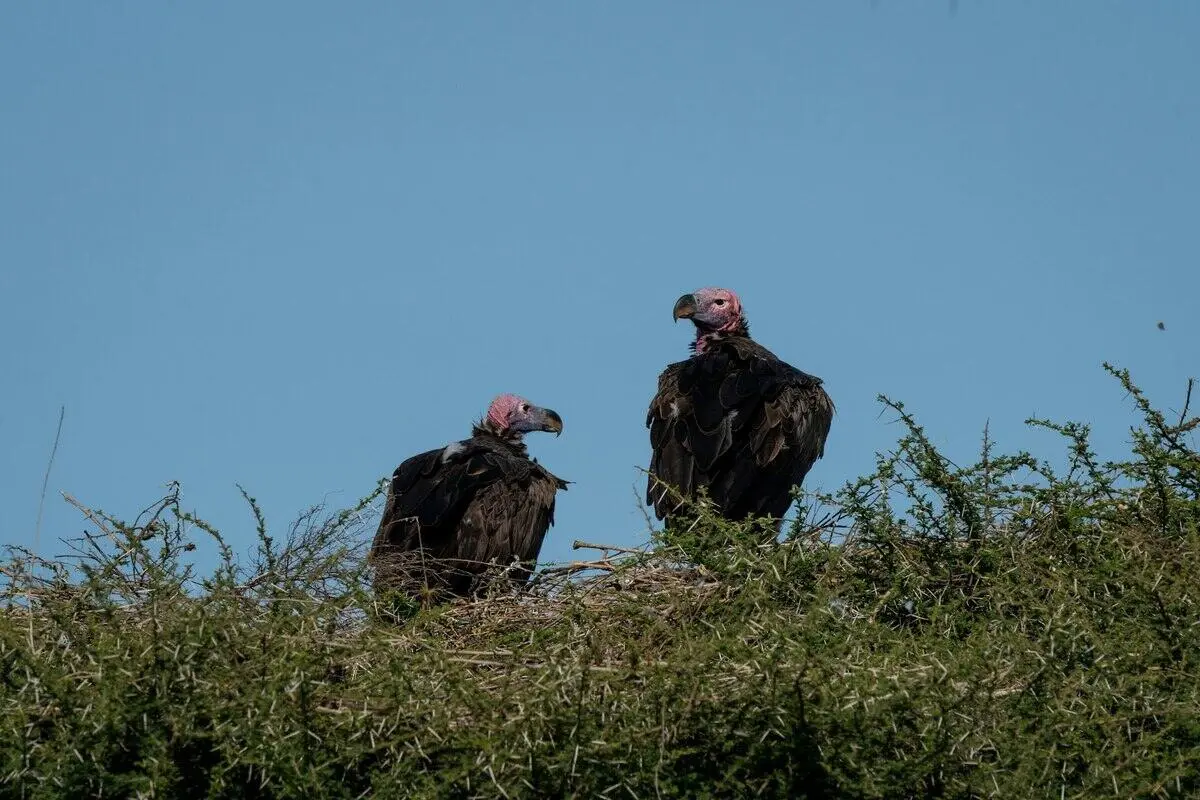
x=733 y=418
x=453 y=511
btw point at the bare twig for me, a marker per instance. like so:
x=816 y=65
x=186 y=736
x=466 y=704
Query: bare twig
x=639 y=501
x=91 y=515
x=37 y=530
x=579 y=544
x=1187 y=402
x=577 y=566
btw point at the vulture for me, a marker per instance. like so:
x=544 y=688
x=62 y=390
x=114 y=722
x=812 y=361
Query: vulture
x=733 y=418
x=453 y=512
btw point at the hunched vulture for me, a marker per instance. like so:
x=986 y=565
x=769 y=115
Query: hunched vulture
x=453 y=511
x=733 y=418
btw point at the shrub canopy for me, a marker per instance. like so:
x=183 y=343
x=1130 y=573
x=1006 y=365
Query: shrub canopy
x=1002 y=629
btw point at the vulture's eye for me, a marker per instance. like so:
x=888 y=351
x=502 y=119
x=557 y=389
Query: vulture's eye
x=524 y=409
x=719 y=301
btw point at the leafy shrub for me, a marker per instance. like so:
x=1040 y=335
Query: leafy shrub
x=1001 y=629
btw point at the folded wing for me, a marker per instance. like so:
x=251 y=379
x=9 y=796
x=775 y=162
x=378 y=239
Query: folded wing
x=740 y=422
x=453 y=511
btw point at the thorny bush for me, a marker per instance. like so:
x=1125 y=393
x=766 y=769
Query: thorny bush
x=997 y=630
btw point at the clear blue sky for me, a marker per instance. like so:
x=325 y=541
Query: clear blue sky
x=291 y=244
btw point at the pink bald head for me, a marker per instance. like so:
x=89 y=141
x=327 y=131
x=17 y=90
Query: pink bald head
x=711 y=309
x=513 y=414
x=503 y=408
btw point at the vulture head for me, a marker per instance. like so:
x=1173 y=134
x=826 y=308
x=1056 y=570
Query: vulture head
x=711 y=310
x=513 y=415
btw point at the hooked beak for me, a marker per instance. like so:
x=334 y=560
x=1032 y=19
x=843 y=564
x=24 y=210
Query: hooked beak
x=685 y=307
x=553 y=422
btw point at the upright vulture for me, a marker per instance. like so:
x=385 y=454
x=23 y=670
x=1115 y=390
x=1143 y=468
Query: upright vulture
x=733 y=418
x=453 y=511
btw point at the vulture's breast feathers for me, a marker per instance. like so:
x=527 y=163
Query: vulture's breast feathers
x=436 y=486
x=735 y=405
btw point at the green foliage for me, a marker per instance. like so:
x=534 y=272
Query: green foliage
x=1002 y=629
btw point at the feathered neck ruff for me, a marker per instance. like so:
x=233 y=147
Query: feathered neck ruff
x=707 y=338
x=485 y=428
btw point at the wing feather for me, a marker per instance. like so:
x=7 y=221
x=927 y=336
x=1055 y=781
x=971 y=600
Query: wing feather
x=739 y=421
x=451 y=511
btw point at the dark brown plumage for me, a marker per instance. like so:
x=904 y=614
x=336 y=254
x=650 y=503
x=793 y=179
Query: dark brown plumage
x=733 y=418
x=454 y=511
